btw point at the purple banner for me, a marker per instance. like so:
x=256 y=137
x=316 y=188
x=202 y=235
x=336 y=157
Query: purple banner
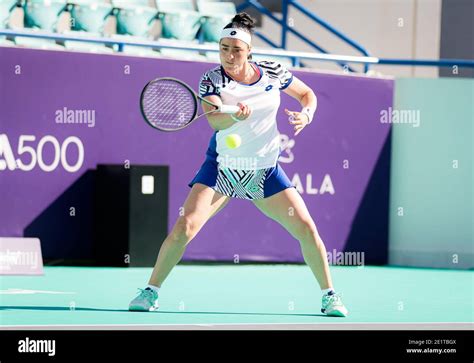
x=63 y=113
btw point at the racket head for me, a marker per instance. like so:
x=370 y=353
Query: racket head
x=168 y=104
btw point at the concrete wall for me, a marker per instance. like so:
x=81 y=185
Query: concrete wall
x=388 y=28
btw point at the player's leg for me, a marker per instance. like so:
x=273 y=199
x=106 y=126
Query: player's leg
x=201 y=204
x=288 y=208
x=220 y=207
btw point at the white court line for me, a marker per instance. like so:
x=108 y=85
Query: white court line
x=252 y=326
x=23 y=291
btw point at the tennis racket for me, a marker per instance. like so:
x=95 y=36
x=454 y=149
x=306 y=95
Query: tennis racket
x=168 y=104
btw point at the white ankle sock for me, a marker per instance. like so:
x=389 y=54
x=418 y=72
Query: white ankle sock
x=155 y=288
x=326 y=291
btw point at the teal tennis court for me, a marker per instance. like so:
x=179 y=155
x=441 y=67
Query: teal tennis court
x=253 y=296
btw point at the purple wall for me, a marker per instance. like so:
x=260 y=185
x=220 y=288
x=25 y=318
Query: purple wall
x=346 y=127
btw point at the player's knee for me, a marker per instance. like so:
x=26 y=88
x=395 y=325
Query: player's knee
x=185 y=229
x=306 y=232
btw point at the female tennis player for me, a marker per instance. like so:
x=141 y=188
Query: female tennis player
x=250 y=171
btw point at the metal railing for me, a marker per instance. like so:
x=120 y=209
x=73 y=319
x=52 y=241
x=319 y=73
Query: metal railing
x=294 y=56
x=285 y=27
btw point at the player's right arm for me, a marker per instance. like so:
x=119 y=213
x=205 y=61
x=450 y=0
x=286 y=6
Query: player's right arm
x=221 y=121
x=211 y=92
x=218 y=121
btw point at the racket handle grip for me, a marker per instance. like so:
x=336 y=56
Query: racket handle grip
x=229 y=109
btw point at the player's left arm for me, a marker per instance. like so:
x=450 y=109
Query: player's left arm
x=308 y=100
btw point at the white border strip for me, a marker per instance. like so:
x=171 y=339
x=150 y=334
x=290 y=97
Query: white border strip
x=252 y=326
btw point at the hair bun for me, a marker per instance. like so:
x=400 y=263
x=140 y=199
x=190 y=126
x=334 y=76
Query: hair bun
x=245 y=20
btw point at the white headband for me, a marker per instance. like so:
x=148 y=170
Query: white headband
x=236 y=34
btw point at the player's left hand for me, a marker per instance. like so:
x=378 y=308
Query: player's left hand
x=298 y=119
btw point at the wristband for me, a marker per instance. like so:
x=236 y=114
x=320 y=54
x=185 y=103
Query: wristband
x=308 y=112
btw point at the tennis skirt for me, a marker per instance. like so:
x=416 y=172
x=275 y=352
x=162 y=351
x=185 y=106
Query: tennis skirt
x=243 y=184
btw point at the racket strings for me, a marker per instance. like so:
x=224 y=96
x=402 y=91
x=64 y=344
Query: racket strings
x=168 y=104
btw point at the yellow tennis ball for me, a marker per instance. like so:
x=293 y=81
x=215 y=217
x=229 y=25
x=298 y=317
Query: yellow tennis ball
x=232 y=141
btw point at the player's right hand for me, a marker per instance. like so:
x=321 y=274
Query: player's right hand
x=244 y=112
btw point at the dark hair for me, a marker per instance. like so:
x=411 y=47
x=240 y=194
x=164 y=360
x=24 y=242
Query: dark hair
x=242 y=21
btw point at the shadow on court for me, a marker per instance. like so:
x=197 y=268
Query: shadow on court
x=65 y=308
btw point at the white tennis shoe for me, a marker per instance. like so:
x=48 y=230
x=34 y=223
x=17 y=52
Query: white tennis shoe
x=332 y=305
x=147 y=300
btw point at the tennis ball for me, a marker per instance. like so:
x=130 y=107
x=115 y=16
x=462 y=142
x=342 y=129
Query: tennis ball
x=232 y=141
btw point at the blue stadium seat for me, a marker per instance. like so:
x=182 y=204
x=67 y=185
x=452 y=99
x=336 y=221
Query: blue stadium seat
x=216 y=15
x=43 y=14
x=6 y=7
x=179 y=19
x=134 y=20
x=90 y=15
x=88 y=19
